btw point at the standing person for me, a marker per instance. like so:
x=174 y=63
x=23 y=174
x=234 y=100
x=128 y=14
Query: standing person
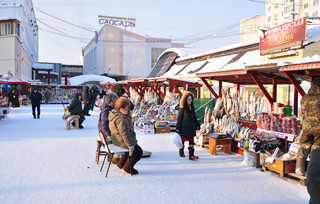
x=86 y=101
x=313 y=182
x=35 y=98
x=120 y=91
x=46 y=96
x=187 y=123
x=3 y=93
x=310 y=137
x=103 y=123
x=14 y=97
x=75 y=108
x=122 y=134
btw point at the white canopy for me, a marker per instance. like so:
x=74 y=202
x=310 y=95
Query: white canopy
x=79 y=80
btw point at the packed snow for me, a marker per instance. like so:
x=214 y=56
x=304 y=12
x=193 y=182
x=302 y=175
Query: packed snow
x=43 y=162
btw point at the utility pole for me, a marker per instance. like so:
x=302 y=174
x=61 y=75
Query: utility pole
x=293 y=14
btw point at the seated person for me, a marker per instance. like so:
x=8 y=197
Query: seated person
x=75 y=108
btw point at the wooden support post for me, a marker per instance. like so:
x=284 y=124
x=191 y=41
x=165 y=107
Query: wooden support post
x=274 y=89
x=220 y=88
x=258 y=82
x=48 y=76
x=295 y=83
x=295 y=103
x=237 y=90
x=164 y=90
x=136 y=89
x=199 y=92
x=209 y=87
x=176 y=88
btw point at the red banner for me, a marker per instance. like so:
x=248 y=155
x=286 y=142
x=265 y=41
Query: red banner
x=283 y=34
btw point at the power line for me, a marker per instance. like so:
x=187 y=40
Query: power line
x=65 y=21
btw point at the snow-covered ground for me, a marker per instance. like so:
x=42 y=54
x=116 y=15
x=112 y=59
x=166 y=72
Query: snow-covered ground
x=42 y=162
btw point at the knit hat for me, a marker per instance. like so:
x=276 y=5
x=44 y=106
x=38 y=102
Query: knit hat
x=110 y=98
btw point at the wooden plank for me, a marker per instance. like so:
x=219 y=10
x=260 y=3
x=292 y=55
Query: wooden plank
x=295 y=83
x=210 y=88
x=264 y=91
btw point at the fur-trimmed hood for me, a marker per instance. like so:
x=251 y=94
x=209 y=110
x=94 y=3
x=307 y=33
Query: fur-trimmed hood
x=184 y=97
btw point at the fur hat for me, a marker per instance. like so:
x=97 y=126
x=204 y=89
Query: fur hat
x=110 y=98
x=185 y=97
x=121 y=102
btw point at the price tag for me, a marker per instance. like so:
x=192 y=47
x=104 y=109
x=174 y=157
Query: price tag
x=270 y=159
x=290 y=137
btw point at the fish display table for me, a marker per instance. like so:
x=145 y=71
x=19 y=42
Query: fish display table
x=226 y=143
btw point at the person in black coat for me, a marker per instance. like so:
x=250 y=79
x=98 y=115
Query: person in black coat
x=120 y=91
x=14 y=97
x=86 y=101
x=35 y=98
x=313 y=179
x=75 y=108
x=187 y=123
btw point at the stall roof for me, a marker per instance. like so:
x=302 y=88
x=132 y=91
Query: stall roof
x=81 y=79
x=42 y=66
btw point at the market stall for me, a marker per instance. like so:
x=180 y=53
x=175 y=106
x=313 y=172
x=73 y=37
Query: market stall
x=156 y=101
x=261 y=127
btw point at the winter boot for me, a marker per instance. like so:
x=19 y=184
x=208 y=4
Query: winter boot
x=191 y=154
x=181 y=152
x=122 y=160
x=115 y=160
x=300 y=166
x=129 y=168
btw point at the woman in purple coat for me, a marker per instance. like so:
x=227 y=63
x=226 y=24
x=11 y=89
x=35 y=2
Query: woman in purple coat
x=103 y=123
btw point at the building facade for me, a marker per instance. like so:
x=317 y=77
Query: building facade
x=18 y=38
x=119 y=53
x=280 y=11
x=250 y=27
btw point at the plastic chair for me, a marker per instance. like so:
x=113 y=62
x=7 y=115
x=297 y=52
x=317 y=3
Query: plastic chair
x=111 y=150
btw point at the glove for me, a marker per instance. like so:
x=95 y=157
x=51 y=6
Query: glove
x=131 y=149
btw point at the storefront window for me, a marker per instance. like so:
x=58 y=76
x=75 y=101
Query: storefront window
x=5 y=28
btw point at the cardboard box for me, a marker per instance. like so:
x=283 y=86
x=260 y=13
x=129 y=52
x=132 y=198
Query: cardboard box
x=201 y=140
x=163 y=130
x=148 y=131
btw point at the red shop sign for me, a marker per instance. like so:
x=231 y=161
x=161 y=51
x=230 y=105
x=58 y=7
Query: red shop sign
x=285 y=33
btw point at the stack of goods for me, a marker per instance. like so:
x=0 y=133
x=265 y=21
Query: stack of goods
x=278 y=122
x=144 y=127
x=162 y=127
x=4 y=107
x=244 y=107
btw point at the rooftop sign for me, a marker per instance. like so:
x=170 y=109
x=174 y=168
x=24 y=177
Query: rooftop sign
x=286 y=33
x=117 y=21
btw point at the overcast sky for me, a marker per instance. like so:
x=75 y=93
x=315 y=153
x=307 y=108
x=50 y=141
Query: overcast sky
x=67 y=26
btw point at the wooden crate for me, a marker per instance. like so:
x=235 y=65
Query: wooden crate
x=163 y=129
x=283 y=167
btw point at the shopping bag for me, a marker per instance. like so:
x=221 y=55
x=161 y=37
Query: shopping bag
x=177 y=141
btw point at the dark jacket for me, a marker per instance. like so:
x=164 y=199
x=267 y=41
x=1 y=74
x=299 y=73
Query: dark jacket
x=313 y=182
x=187 y=122
x=310 y=108
x=103 y=123
x=75 y=108
x=86 y=95
x=35 y=97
